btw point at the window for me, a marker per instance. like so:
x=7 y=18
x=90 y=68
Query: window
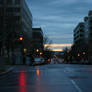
x=81 y=35
x=90 y=28
x=17 y=2
x=9 y=2
x=1 y=11
x=16 y=9
x=1 y=2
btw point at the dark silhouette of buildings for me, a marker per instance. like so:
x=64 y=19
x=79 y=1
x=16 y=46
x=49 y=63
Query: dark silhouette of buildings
x=15 y=22
x=89 y=30
x=37 y=40
x=79 y=33
x=83 y=37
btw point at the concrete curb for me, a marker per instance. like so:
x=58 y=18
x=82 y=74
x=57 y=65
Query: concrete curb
x=7 y=71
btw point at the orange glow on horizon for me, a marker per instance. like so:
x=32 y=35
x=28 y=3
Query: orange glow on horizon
x=57 y=49
x=58 y=45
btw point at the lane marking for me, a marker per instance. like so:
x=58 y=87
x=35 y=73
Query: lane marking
x=76 y=86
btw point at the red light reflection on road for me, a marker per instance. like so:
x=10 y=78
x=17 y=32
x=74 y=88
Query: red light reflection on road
x=22 y=82
x=37 y=72
x=22 y=79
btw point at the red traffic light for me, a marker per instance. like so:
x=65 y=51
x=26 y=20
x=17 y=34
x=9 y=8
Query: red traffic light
x=21 y=38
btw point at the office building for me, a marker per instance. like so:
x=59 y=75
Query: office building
x=90 y=36
x=83 y=37
x=37 y=39
x=79 y=34
x=15 y=22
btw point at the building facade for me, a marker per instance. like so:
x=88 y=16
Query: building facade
x=37 y=39
x=79 y=33
x=86 y=25
x=90 y=36
x=15 y=21
x=79 y=49
x=83 y=36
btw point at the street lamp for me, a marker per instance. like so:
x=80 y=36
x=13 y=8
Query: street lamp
x=78 y=54
x=37 y=50
x=41 y=53
x=84 y=53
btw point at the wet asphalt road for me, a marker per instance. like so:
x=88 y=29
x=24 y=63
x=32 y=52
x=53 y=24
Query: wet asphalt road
x=48 y=78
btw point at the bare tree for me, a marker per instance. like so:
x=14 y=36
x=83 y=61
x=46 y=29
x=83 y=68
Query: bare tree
x=47 y=50
x=46 y=42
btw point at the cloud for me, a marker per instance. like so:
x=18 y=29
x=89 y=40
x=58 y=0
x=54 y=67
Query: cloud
x=59 y=17
x=58 y=36
x=68 y=2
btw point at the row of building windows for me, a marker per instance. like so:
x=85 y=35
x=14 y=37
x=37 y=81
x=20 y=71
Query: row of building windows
x=10 y=2
x=10 y=21
x=13 y=9
x=77 y=32
x=79 y=36
x=9 y=11
x=26 y=16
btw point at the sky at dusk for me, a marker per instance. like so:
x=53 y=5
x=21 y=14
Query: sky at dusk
x=58 y=18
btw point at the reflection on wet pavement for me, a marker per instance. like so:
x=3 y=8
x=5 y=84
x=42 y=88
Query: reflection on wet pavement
x=49 y=78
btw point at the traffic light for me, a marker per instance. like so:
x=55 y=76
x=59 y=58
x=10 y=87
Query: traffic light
x=21 y=38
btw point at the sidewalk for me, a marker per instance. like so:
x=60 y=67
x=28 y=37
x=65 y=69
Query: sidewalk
x=5 y=69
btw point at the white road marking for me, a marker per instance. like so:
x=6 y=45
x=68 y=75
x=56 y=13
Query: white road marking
x=76 y=86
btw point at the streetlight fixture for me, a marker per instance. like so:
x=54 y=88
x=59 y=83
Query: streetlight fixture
x=37 y=50
x=78 y=54
x=84 y=53
x=41 y=53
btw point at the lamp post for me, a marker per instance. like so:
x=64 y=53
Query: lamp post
x=22 y=57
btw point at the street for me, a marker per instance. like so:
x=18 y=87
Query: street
x=48 y=78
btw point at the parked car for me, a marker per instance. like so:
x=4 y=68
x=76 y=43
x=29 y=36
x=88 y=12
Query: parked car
x=38 y=60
